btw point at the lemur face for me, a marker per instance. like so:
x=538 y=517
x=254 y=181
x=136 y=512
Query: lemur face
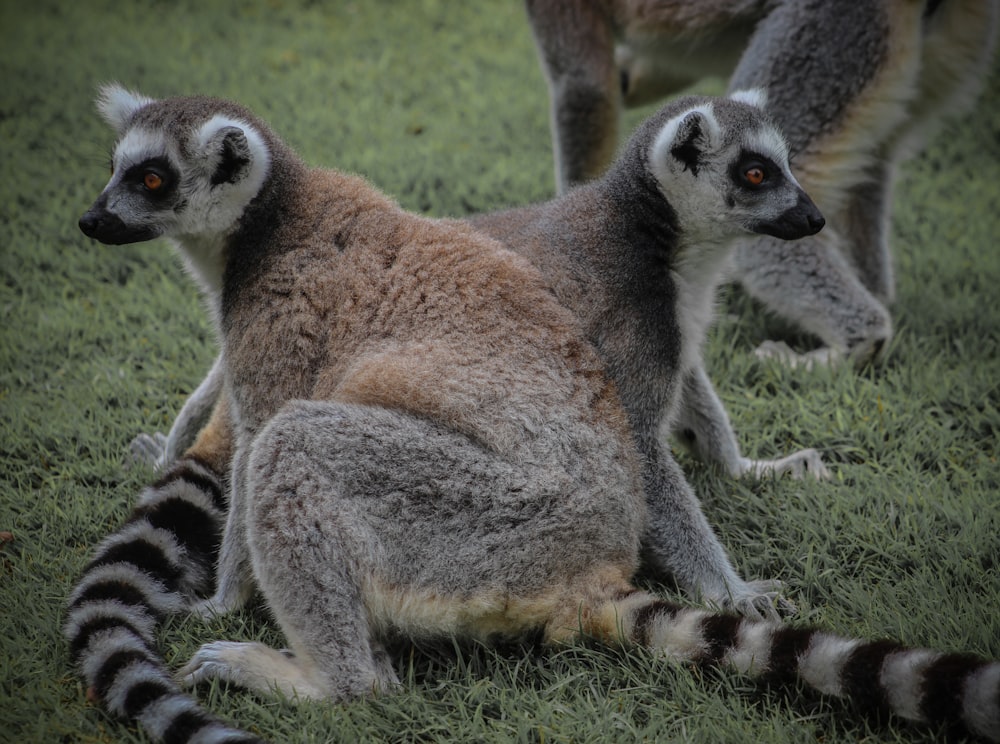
x=192 y=178
x=723 y=167
x=142 y=198
x=770 y=198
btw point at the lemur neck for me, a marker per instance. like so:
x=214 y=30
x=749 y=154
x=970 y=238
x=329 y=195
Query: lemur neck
x=211 y=258
x=204 y=258
x=641 y=216
x=683 y=270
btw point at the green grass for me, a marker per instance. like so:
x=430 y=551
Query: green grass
x=442 y=105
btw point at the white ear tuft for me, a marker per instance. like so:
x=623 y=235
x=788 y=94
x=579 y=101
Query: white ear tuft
x=751 y=96
x=117 y=104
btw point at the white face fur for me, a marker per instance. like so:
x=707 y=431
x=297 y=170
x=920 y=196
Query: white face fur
x=723 y=167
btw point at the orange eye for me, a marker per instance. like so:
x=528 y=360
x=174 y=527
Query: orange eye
x=754 y=176
x=152 y=181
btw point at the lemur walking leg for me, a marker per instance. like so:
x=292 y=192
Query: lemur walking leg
x=585 y=96
x=160 y=451
x=681 y=544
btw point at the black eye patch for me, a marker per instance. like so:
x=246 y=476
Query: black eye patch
x=752 y=170
x=154 y=178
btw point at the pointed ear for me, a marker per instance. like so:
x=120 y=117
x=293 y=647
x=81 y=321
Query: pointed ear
x=751 y=96
x=117 y=105
x=689 y=137
x=226 y=149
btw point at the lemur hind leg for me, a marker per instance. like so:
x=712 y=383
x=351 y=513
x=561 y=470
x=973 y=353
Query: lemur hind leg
x=311 y=556
x=362 y=520
x=866 y=222
x=585 y=96
x=958 y=41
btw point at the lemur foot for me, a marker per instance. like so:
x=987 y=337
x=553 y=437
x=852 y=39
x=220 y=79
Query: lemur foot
x=762 y=599
x=262 y=668
x=147 y=449
x=860 y=355
x=782 y=352
x=251 y=665
x=798 y=465
x=217 y=605
x=869 y=351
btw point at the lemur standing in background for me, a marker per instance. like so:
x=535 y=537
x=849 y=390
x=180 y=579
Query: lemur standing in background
x=418 y=438
x=855 y=86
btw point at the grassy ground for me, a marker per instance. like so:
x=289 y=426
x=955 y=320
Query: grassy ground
x=442 y=105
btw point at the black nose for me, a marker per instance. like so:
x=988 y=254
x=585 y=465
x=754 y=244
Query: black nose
x=88 y=224
x=101 y=225
x=108 y=228
x=802 y=220
x=814 y=218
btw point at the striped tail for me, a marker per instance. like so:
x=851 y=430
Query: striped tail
x=162 y=558
x=959 y=692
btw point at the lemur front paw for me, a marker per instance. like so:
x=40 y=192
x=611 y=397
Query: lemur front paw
x=217 y=660
x=782 y=352
x=147 y=449
x=759 y=599
x=798 y=465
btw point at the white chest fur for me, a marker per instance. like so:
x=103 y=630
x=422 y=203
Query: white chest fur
x=697 y=281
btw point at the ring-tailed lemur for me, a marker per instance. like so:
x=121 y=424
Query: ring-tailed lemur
x=855 y=85
x=637 y=255
x=424 y=442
